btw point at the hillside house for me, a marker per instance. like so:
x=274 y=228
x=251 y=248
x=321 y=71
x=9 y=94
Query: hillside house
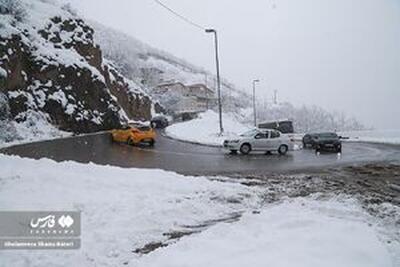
x=189 y=98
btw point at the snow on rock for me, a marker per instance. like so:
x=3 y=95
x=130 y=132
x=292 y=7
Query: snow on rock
x=205 y=129
x=52 y=65
x=34 y=127
x=122 y=209
x=60 y=97
x=298 y=232
x=3 y=73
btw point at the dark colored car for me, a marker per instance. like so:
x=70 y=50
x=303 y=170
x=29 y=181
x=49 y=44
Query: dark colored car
x=159 y=122
x=323 y=141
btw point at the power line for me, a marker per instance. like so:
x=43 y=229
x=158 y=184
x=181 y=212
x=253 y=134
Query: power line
x=187 y=20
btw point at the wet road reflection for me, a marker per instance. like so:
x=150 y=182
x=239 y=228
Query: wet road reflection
x=195 y=159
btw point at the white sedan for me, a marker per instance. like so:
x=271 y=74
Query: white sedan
x=267 y=140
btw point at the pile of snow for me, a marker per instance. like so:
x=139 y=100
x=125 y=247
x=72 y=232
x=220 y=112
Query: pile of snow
x=298 y=232
x=374 y=136
x=205 y=129
x=122 y=209
x=36 y=127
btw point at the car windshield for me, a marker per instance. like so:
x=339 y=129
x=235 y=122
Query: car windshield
x=143 y=128
x=327 y=135
x=249 y=133
x=139 y=126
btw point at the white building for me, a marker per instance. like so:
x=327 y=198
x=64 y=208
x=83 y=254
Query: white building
x=187 y=99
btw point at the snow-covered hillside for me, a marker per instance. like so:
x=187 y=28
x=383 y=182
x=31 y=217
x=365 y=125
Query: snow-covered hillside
x=150 y=67
x=52 y=70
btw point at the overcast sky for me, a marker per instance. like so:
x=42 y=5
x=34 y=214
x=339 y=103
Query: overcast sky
x=340 y=54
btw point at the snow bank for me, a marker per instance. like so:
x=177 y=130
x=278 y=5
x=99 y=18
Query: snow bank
x=205 y=129
x=35 y=128
x=122 y=209
x=298 y=232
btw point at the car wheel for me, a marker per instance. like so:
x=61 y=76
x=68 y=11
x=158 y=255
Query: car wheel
x=314 y=146
x=245 y=149
x=283 y=149
x=151 y=142
x=130 y=141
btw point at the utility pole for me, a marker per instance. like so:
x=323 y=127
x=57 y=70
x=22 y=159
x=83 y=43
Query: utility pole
x=275 y=97
x=207 y=97
x=221 y=129
x=254 y=102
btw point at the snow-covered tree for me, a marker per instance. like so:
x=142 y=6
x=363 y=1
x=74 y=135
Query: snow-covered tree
x=309 y=118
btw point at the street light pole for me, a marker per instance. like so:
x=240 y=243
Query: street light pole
x=221 y=129
x=254 y=102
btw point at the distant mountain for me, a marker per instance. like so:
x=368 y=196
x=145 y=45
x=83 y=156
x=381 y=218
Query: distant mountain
x=52 y=71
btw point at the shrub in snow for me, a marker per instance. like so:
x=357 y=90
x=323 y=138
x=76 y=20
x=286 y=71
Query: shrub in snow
x=14 y=8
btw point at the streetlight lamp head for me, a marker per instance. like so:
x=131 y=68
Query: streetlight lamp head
x=210 y=30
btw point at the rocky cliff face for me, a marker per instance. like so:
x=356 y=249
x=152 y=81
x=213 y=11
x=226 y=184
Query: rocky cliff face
x=50 y=65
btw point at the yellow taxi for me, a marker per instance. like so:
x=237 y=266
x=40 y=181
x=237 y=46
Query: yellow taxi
x=134 y=134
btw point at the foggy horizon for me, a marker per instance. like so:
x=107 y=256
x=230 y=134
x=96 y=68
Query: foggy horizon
x=339 y=55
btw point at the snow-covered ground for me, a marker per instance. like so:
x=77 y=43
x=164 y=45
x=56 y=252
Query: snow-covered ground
x=125 y=209
x=35 y=128
x=298 y=232
x=205 y=129
x=122 y=209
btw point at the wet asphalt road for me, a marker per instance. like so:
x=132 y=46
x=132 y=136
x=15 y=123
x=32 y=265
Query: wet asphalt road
x=188 y=158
